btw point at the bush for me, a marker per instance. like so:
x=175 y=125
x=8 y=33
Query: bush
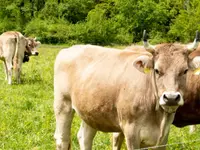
x=47 y=31
x=186 y=23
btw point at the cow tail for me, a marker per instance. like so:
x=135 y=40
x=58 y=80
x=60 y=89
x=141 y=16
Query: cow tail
x=16 y=55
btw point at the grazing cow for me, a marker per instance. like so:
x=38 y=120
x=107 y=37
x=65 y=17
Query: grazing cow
x=13 y=47
x=111 y=95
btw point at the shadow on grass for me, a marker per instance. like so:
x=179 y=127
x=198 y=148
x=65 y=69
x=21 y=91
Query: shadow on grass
x=24 y=81
x=31 y=81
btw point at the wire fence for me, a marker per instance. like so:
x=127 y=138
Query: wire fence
x=169 y=145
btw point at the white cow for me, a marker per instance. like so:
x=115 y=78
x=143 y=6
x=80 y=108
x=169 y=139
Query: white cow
x=13 y=46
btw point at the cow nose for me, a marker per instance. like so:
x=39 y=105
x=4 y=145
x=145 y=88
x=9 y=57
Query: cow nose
x=172 y=98
x=36 y=53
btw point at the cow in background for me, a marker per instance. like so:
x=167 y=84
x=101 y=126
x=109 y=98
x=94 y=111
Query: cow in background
x=32 y=42
x=189 y=113
x=111 y=95
x=13 y=47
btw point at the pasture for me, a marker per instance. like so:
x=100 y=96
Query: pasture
x=26 y=111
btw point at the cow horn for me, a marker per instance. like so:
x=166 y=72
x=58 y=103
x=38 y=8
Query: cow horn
x=147 y=46
x=195 y=44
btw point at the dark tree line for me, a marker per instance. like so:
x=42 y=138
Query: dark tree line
x=101 y=21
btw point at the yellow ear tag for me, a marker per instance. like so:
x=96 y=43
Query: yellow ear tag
x=147 y=70
x=197 y=71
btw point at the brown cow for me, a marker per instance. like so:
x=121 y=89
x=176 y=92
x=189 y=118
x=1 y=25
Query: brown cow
x=13 y=47
x=189 y=113
x=111 y=95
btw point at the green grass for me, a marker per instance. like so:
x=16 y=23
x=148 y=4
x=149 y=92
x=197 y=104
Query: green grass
x=26 y=111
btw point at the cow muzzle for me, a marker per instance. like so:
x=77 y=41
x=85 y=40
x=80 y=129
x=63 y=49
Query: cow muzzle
x=35 y=53
x=171 y=99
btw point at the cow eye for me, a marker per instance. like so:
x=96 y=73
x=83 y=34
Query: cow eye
x=186 y=70
x=157 y=71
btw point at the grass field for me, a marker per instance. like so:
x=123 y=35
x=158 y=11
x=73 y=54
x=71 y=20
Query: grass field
x=26 y=111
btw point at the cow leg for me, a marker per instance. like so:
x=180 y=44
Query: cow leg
x=192 y=128
x=85 y=136
x=9 y=67
x=131 y=134
x=64 y=116
x=6 y=70
x=18 y=70
x=118 y=139
x=163 y=143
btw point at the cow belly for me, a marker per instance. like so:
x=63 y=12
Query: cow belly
x=100 y=120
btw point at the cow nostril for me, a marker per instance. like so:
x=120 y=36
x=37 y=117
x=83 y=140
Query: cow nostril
x=165 y=97
x=178 y=97
x=36 y=53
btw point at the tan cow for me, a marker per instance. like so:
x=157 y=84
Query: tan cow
x=13 y=47
x=186 y=112
x=189 y=113
x=111 y=95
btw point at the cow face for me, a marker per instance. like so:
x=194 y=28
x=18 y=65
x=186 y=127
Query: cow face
x=170 y=68
x=31 y=46
x=170 y=63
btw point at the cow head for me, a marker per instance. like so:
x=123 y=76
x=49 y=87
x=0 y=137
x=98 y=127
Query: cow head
x=169 y=64
x=31 y=47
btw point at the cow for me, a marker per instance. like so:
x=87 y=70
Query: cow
x=133 y=93
x=14 y=50
x=189 y=113
x=33 y=44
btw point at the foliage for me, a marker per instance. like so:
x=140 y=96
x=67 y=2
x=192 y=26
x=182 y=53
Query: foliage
x=102 y=21
x=187 y=22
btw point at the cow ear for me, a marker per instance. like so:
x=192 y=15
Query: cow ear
x=38 y=43
x=143 y=63
x=195 y=65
